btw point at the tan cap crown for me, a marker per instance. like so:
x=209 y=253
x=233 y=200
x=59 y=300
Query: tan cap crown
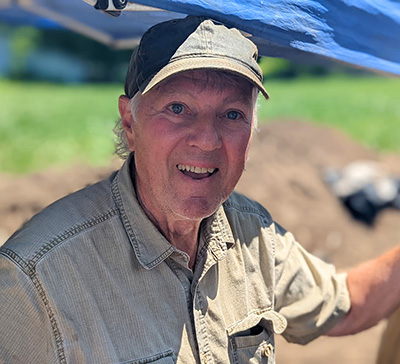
x=191 y=43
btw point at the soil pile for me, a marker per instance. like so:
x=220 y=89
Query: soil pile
x=285 y=173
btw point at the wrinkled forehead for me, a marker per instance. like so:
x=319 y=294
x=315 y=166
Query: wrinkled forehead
x=204 y=80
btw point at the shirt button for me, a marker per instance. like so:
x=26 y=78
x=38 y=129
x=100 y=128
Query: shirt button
x=267 y=350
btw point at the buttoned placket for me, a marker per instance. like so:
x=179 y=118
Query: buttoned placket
x=199 y=311
x=213 y=251
x=179 y=264
x=191 y=282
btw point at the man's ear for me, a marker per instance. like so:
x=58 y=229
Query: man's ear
x=127 y=120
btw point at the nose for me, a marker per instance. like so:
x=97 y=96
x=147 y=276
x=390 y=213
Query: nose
x=205 y=135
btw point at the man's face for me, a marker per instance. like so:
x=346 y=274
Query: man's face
x=190 y=137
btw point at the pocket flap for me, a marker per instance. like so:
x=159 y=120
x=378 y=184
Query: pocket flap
x=264 y=319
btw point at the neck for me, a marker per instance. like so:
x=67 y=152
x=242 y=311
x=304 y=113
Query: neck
x=186 y=242
x=181 y=233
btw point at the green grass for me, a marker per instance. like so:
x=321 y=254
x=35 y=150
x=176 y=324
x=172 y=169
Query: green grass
x=48 y=124
x=367 y=108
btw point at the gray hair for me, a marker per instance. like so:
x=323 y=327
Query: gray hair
x=121 y=143
x=122 y=149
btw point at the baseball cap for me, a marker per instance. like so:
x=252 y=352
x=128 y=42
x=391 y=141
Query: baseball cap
x=187 y=44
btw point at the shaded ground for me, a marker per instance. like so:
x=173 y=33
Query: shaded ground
x=284 y=174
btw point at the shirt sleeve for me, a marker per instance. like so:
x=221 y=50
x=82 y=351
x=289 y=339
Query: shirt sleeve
x=25 y=326
x=310 y=294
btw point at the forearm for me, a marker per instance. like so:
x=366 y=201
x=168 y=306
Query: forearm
x=374 y=288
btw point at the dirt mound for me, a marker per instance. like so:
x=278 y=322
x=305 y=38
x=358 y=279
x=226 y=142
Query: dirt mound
x=23 y=196
x=284 y=173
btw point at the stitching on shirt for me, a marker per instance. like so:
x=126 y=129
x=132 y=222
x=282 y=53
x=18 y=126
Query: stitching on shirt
x=131 y=234
x=205 y=245
x=118 y=201
x=29 y=266
x=234 y=350
x=257 y=312
x=10 y=254
x=56 y=331
x=216 y=236
x=272 y=238
x=35 y=280
x=201 y=319
x=152 y=358
x=156 y=261
x=242 y=208
x=174 y=266
x=222 y=225
x=65 y=235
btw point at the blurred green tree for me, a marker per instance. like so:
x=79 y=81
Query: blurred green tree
x=23 y=41
x=283 y=68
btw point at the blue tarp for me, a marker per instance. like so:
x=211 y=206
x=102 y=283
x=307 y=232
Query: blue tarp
x=363 y=33
x=16 y=15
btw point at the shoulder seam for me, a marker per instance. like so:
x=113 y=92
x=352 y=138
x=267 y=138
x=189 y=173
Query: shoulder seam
x=28 y=266
x=12 y=255
x=248 y=209
x=67 y=234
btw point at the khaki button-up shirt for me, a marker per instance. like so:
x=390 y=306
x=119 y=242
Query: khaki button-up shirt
x=91 y=280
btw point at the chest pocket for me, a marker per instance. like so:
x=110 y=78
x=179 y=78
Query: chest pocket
x=162 y=358
x=251 y=340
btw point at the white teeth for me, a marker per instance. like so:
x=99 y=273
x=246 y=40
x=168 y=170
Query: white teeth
x=193 y=169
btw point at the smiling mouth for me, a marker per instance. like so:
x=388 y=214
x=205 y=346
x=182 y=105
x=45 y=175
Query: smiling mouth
x=196 y=172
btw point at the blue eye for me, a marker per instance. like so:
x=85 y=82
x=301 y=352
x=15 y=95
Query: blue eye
x=233 y=115
x=177 y=108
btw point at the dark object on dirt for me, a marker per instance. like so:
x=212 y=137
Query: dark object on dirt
x=364 y=189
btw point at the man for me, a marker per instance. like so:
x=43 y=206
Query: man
x=162 y=262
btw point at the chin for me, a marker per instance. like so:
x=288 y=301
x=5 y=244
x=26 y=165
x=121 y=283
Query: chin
x=198 y=210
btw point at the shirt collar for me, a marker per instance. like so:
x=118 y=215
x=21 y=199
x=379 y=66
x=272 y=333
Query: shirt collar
x=150 y=246
x=217 y=234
